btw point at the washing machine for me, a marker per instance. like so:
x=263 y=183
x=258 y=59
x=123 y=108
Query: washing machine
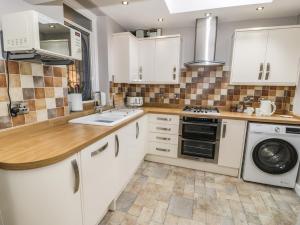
x=272 y=154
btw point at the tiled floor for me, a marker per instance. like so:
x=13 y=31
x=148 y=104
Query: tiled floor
x=162 y=194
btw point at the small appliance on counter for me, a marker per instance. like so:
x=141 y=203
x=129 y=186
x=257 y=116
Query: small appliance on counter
x=267 y=107
x=134 y=101
x=75 y=102
x=100 y=98
x=201 y=110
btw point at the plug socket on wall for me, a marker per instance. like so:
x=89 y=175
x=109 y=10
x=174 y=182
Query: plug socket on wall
x=19 y=108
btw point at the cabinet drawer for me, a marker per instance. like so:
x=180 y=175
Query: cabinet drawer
x=163 y=149
x=164 y=128
x=164 y=119
x=164 y=138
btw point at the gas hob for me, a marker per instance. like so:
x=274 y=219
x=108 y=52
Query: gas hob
x=201 y=110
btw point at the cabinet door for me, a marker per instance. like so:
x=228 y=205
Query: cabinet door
x=283 y=56
x=167 y=60
x=120 y=59
x=232 y=143
x=48 y=195
x=147 y=60
x=133 y=59
x=141 y=136
x=248 y=58
x=98 y=172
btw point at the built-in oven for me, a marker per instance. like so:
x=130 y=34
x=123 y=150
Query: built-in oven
x=199 y=138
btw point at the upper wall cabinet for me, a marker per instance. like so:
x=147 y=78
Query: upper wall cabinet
x=267 y=56
x=149 y=60
x=124 y=57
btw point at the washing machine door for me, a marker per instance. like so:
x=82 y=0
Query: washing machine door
x=275 y=156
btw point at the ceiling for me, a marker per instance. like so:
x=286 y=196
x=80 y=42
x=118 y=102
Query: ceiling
x=145 y=13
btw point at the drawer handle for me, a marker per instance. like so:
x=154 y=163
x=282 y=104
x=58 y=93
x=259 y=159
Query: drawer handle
x=163 y=119
x=162 y=149
x=94 y=153
x=224 y=130
x=163 y=128
x=163 y=138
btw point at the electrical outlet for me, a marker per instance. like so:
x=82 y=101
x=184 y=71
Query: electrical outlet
x=20 y=108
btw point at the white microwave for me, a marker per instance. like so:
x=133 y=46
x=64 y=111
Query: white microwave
x=30 y=32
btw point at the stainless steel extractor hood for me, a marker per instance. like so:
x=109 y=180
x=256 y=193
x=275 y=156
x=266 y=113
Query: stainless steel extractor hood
x=205 y=43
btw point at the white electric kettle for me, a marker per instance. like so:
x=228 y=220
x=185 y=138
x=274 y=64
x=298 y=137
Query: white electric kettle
x=267 y=107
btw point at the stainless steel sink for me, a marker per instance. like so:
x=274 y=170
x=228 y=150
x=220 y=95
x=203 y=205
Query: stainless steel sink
x=108 y=118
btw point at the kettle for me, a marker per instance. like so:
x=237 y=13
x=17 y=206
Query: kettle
x=267 y=107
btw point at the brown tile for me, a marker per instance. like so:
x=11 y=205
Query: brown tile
x=49 y=92
x=3 y=95
x=48 y=81
x=5 y=122
x=48 y=71
x=57 y=82
x=51 y=113
x=57 y=71
x=66 y=101
x=28 y=93
x=25 y=68
x=39 y=93
x=18 y=120
x=31 y=105
x=38 y=81
x=30 y=117
x=40 y=104
x=65 y=90
x=60 y=111
x=13 y=67
x=64 y=72
x=59 y=102
x=3 y=80
x=14 y=80
x=2 y=66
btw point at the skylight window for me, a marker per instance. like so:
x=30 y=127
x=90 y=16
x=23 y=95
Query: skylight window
x=180 y=6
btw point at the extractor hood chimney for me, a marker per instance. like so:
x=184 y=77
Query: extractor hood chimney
x=205 y=43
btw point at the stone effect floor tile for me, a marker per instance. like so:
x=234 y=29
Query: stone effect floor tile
x=161 y=194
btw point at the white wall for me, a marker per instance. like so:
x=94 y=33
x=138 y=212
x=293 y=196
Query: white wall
x=106 y=27
x=224 y=36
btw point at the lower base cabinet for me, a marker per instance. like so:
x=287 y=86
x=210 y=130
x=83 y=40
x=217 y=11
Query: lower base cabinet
x=44 y=196
x=232 y=140
x=98 y=184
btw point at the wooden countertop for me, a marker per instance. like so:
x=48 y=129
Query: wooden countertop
x=37 y=146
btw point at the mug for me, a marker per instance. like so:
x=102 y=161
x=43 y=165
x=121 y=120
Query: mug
x=249 y=111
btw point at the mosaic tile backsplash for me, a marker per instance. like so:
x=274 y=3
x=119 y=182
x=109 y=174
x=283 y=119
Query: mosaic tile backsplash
x=45 y=89
x=208 y=86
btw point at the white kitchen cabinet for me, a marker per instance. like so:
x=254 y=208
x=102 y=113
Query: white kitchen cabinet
x=146 y=60
x=124 y=58
x=167 y=60
x=231 y=149
x=48 y=195
x=266 y=56
x=98 y=171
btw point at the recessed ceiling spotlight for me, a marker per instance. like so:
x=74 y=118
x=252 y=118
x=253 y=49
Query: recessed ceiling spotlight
x=160 y=20
x=260 y=8
x=125 y=2
x=52 y=26
x=207 y=14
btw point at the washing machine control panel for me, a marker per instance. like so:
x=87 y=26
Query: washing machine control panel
x=274 y=129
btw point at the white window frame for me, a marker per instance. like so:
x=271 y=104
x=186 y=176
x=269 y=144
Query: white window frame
x=94 y=68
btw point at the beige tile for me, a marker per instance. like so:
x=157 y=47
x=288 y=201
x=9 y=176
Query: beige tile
x=37 y=69
x=25 y=68
x=135 y=210
x=41 y=115
x=16 y=94
x=145 y=216
x=160 y=212
x=4 y=109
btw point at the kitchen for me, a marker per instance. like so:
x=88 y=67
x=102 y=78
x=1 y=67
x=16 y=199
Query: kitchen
x=149 y=112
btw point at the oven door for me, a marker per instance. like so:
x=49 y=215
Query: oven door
x=200 y=150
x=204 y=132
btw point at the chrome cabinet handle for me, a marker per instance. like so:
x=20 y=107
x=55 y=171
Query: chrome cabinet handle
x=117 y=145
x=141 y=73
x=163 y=138
x=137 y=130
x=113 y=78
x=268 y=71
x=76 y=175
x=163 y=128
x=224 y=130
x=261 y=71
x=174 y=72
x=174 y=69
x=98 y=151
x=163 y=149
x=163 y=119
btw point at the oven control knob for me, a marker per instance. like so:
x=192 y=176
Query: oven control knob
x=277 y=129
